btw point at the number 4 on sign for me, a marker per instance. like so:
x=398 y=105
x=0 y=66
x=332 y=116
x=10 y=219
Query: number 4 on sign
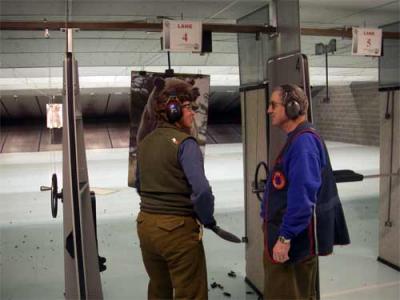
x=185 y=37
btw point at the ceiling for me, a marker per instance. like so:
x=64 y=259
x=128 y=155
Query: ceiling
x=31 y=63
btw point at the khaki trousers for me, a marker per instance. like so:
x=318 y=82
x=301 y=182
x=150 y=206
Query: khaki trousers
x=290 y=281
x=173 y=256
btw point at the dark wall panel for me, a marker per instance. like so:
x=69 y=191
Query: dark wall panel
x=96 y=136
x=21 y=107
x=94 y=105
x=225 y=133
x=119 y=105
x=3 y=137
x=119 y=134
x=22 y=139
x=210 y=139
x=36 y=137
x=224 y=106
x=45 y=142
x=3 y=110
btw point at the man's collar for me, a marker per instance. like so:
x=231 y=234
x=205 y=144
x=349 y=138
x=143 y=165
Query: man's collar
x=300 y=126
x=164 y=124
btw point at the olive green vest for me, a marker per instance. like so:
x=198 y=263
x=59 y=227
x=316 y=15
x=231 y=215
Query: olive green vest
x=164 y=188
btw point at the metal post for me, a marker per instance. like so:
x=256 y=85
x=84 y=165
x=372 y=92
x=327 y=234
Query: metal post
x=317 y=282
x=169 y=60
x=326 y=74
x=81 y=263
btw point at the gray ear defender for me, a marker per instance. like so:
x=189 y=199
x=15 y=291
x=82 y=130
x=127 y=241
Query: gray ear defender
x=293 y=109
x=292 y=106
x=173 y=110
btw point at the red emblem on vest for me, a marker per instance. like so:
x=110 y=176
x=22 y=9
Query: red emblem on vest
x=278 y=180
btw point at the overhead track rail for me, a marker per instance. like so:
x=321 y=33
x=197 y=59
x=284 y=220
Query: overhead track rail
x=342 y=32
x=157 y=27
x=134 y=26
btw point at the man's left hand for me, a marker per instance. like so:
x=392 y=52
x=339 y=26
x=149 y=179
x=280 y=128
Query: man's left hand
x=281 y=252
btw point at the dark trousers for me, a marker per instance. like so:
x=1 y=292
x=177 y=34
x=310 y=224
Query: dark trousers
x=173 y=256
x=290 y=281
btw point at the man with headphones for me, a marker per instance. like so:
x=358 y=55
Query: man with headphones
x=176 y=198
x=301 y=209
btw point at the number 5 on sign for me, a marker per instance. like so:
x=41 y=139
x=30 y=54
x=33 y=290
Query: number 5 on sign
x=182 y=36
x=367 y=41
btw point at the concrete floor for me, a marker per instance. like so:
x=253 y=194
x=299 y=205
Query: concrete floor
x=31 y=262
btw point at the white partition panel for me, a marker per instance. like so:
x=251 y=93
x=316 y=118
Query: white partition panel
x=389 y=205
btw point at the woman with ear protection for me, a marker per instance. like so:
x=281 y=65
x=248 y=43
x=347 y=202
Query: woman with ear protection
x=301 y=209
x=175 y=196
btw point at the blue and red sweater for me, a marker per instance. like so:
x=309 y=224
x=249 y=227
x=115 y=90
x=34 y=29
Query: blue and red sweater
x=302 y=162
x=301 y=200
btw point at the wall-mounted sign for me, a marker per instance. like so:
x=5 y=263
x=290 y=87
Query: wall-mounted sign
x=54 y=115
x=367 y=41
x=182 y=36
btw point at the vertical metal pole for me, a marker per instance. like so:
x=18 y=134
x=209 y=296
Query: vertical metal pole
x=326 y=73
x=388 y=222
x=317 y=285
x=169 y=72
x=81 y=267
x=169 y=60
x=77 y=231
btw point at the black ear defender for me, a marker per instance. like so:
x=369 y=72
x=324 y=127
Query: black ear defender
x=292 y=106
x=173 y=109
